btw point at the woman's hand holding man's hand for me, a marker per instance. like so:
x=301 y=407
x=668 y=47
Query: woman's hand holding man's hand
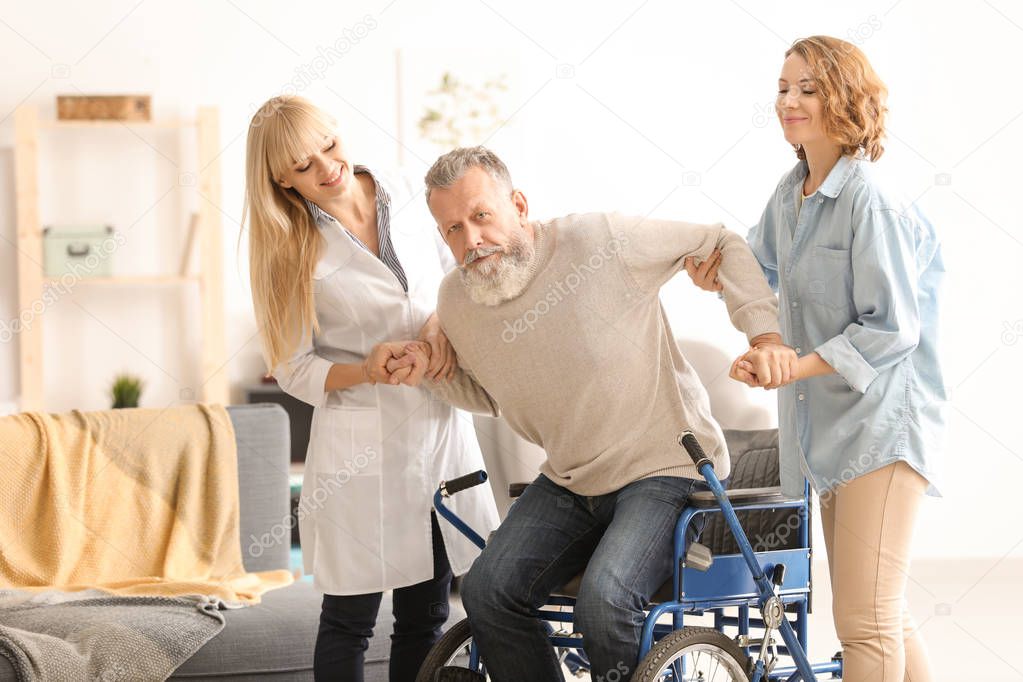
x=397 y=362
x=767 y=364
x=407 y=362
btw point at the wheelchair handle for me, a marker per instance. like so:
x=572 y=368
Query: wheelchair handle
x=449 y=488
x=461 y=483
x=692 y=446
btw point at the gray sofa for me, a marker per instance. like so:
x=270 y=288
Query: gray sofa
x=273 y=640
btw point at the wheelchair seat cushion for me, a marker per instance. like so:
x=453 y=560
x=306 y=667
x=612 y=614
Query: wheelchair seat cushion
x=705 y=499
x=754 y=478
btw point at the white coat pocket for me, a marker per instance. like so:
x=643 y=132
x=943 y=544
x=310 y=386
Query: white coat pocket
x=347 y=499
x=348 y=442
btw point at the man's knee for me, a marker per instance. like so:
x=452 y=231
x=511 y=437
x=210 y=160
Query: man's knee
x=486 y=591
x=603 y=606
x=476 y=598
x=491 y=591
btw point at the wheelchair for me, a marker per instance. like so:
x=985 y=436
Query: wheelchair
x=755 y=591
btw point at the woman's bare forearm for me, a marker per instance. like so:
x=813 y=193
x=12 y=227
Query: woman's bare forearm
x=813 y=365
x=345 y=375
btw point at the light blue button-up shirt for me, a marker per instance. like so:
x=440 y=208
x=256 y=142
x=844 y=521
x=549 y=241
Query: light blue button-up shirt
x=858 y=273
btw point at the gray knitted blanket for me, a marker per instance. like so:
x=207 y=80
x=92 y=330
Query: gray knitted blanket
x=93 y=635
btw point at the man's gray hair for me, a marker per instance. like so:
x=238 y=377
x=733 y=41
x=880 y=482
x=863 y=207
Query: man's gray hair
x=449 y=168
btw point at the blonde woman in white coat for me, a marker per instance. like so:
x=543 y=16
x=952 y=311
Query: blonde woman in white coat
x=344 y=278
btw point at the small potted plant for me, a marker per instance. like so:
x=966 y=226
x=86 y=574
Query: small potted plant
x=126 y=390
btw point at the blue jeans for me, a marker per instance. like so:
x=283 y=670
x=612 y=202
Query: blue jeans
x=624 y=541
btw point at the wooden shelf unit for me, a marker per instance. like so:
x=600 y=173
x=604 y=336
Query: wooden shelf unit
x=173 y=124
x=133 y=280
x=32 y=279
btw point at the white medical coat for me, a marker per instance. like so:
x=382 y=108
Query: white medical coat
x=378 y=452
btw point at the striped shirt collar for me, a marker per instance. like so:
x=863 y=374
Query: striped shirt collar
x=321 y=217
x=388 y=256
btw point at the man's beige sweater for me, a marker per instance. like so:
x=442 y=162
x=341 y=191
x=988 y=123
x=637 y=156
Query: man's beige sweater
x=583 y=362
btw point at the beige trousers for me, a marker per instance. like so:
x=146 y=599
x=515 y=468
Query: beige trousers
x=868 y=528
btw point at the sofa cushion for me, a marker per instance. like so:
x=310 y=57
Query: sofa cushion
x=274 y=640
x=274 y=636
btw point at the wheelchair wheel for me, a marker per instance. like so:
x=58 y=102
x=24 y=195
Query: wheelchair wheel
x=452 y=649
x=694 y=654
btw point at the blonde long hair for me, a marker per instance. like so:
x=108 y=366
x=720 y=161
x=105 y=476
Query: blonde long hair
x=284 y=243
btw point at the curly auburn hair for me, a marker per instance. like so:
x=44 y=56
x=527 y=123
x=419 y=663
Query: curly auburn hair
x=852 y=94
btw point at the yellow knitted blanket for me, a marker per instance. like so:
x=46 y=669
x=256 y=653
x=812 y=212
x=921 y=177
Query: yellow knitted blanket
x=130 y=501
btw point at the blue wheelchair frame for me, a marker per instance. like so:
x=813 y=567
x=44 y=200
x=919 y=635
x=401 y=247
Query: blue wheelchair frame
x=767 y=580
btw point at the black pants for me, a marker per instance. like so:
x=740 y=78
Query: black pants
x=346 y=624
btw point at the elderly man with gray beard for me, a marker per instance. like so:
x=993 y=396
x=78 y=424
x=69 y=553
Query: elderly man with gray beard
x=558 y=327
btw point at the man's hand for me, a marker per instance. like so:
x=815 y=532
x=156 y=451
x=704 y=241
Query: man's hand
x=392 y=362
x=768 y=365
x=705 y=275
x=742 y=370
x=410 y=367
x=443 y=359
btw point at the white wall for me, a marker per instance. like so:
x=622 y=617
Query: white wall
x=654 y=107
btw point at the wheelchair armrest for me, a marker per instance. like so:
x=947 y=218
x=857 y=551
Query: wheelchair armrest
x=704 y=499
x=516 y=489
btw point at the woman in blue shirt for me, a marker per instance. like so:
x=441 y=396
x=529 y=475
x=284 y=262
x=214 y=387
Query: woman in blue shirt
x=861 y=400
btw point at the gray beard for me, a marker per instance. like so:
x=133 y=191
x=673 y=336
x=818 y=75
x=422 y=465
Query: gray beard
x=490 y=284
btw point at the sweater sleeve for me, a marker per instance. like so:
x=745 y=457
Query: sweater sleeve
x=463 y=391
x=654 y=250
